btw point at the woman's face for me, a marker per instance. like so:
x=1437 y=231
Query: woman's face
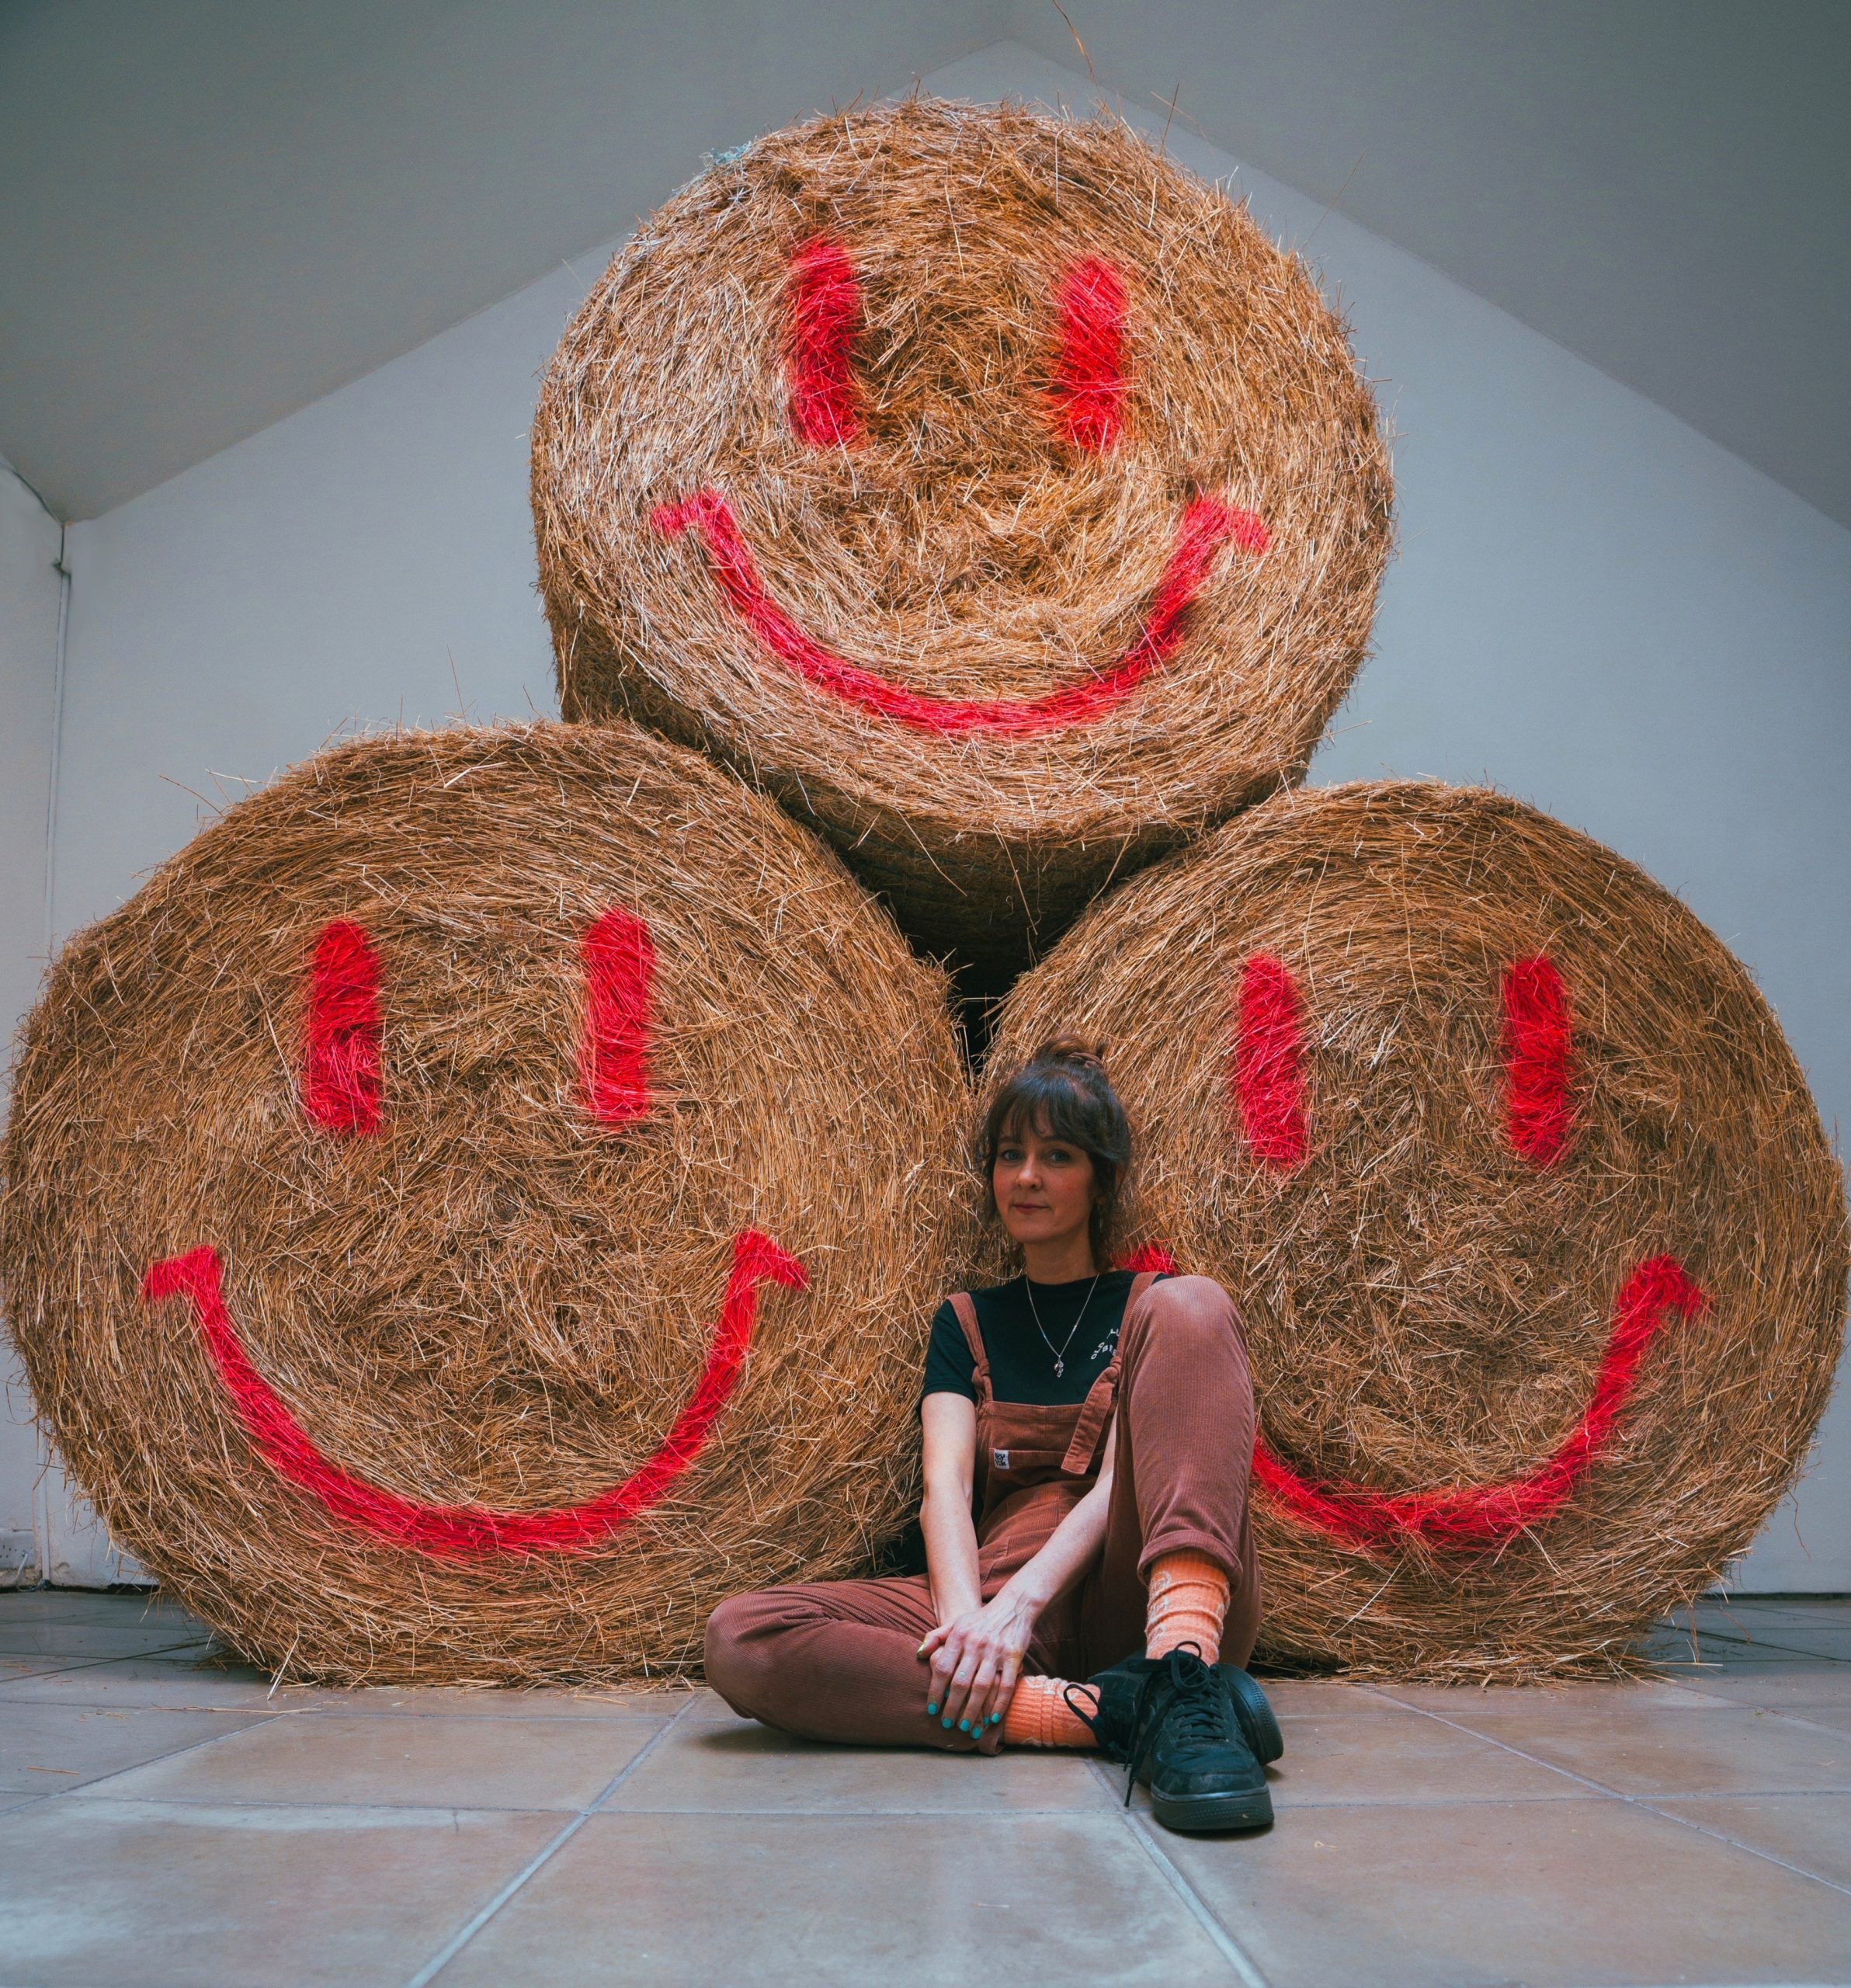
x=1044 y=1186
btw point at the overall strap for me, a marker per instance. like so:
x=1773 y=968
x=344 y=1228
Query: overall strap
x=965 y=1306
x=1096 y=1411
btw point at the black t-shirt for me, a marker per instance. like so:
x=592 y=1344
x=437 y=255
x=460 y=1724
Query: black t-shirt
x=1021 y=1368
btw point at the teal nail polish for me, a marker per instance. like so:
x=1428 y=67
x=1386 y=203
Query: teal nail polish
x=996 y=1719
x=932 y=1712
x=946 y=1723
x=963 y=1726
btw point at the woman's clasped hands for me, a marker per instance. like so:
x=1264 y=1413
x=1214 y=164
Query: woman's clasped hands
x=976 y=1659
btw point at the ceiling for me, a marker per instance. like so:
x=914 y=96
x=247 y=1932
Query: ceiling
x=216 y=213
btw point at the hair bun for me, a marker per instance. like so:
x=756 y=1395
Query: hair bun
x=1074 y=1051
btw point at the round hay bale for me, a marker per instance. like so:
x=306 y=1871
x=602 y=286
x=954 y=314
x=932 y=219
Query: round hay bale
x=985 y=485
x=476 y=1207
x=1539 y=1244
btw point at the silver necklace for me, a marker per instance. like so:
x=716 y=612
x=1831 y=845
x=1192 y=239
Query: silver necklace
x=1034 y=1313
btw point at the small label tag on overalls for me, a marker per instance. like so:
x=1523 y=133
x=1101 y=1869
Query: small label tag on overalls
x=1000 y=1459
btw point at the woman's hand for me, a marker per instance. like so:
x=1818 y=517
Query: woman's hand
x=976 y=1659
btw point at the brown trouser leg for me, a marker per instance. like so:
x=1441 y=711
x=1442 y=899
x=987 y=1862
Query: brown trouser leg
x=1185 y=1448
x=840 y=1659
x=834 y=1660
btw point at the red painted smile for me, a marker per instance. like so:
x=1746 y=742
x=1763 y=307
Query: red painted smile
x=471 y=1532
x=1483 y=1515
x=1657 y=1290
x=1207 y=526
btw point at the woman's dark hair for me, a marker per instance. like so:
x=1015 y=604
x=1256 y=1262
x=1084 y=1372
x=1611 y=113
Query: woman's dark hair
x=1062 y=1093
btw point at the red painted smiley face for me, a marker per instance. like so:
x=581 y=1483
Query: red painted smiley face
x=1515 y=1182
x=473 y=1126
x=341 y=1092
x=934 y=424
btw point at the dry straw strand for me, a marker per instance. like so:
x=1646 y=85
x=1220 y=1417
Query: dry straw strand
x=503 y=1295
x=1428 y=1289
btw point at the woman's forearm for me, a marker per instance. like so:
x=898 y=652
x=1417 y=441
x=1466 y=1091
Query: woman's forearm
x=950 y=1553
x=1071 y=1549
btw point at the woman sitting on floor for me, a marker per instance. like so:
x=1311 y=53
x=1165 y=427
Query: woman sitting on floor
x=1106 y=1422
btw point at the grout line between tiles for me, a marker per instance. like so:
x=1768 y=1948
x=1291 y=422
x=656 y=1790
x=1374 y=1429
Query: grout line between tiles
x=17 y=1691
x=1225 y=1943
x=80 y=1663
x=1649 y=1804
x=528 y=1808
x=1639 y=1801
x=455 y=1944
x=838 y=1813
x=70 y=1794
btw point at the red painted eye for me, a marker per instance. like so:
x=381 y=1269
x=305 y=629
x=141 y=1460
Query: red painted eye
x=1539 y=1035
x=614 y=1055
x=1089 y=380
x=1268 y=1075
x=825 y=306
x=341 y=1082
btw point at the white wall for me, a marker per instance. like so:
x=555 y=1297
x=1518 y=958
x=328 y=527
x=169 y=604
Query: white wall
x=1593 y=607
x=46 y=1532
x=30 y=590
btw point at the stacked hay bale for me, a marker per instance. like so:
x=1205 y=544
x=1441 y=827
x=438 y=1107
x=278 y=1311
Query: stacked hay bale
x=1539 y=1244
x=470 y=1210
x=988 y=488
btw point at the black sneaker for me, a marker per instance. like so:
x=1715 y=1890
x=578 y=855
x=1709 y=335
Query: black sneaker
x=1192 y=1735
x=1118 y=1690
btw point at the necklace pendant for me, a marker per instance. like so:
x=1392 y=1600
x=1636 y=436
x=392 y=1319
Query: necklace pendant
x=1060 y=1369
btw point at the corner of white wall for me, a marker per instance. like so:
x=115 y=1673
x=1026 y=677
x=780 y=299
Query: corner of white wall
x=31 y=615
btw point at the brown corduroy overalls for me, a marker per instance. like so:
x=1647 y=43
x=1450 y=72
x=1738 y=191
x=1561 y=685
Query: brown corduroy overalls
x=840 y=1659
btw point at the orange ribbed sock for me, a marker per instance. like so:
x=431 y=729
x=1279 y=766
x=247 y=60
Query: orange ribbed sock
x=1188 y=1600
x=1039 y=1714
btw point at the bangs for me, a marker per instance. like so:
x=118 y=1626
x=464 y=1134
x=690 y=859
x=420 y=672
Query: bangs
x=1049 y=1104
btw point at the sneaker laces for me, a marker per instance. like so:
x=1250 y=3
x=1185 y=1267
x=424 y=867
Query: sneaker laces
x=1183 y=1692
x=1090 y=1719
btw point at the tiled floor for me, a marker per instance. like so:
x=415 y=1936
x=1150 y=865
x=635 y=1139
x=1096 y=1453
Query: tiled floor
x=166 y=1820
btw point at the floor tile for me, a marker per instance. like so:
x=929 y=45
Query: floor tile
x=1833 y=1718
x=1778 y=1685
x=1292 y=1698
x=45 y=1749
x=1830 y=1640
x=1813 y=1831
x=1471 y=1702
x=100 y=1636
x=14 y=1668
x=332 y=1756
x=1673 y=1650
x=1718 y=1653
x=1550 y=1894
x=1821 y=1609
x=1404 y=1756
x=155 y=1681
x=177 y=1895
x=813 y=1901
x=1813 y=1607
x=1733 y=1749
x=718 y=1764
x=71 y=1604
x=456 y=1702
